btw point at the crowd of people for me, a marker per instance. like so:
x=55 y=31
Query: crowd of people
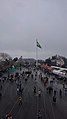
x=25 y=75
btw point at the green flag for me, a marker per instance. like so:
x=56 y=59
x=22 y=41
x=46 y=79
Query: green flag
x=38 y=44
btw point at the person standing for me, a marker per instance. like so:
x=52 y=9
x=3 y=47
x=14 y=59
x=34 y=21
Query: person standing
x=60 y=92
x=20 y=100
x=39 y=116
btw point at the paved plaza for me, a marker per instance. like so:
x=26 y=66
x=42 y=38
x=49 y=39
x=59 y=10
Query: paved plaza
x=31 y=102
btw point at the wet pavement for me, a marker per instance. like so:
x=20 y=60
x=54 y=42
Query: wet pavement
x=31 y=102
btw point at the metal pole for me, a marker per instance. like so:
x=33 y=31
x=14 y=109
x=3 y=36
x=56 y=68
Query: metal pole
x=36 y=54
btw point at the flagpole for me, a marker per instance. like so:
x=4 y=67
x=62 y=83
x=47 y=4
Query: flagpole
x=36 y=54
x=37 y=46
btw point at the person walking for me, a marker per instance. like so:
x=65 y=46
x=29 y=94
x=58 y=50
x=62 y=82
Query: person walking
x=54 y=99
x=39 y=93
x=39 y=116
x=20 y=100
x=60 y=93
x=34 y=89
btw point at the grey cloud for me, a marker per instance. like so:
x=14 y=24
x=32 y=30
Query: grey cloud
x=21 y=22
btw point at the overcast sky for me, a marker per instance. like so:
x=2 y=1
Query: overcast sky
x=24 y=21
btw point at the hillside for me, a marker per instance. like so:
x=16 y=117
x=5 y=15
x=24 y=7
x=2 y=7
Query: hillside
x=57 y=61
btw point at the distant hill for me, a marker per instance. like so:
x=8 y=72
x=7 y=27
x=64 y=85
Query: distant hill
x=4 y=57
x=57 y=61
x=28 y=59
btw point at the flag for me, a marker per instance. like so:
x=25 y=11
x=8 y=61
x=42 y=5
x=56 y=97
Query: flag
x=38 y=44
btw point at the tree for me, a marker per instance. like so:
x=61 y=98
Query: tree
x=48 y=61
x=15 y=59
